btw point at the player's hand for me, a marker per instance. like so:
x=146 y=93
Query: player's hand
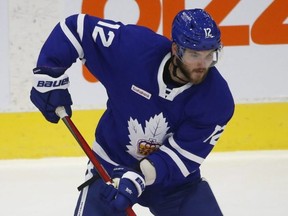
x=49 y=92
x=128 y=185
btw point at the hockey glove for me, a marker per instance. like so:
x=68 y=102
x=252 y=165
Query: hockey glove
x=128 y=186
x=50 y=91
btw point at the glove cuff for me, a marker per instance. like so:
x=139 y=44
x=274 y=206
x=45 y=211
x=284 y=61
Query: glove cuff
x=137 y=180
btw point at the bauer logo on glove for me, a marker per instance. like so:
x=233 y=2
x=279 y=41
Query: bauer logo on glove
x=44 y=83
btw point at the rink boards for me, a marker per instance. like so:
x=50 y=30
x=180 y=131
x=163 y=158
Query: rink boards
x=29 y=135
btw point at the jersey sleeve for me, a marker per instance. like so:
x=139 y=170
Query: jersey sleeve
x=63 y=46
x=181 y=154
x=90 y=39
x=102 y=45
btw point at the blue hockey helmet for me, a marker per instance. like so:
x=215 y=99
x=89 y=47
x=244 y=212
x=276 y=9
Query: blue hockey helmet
x=195 y=29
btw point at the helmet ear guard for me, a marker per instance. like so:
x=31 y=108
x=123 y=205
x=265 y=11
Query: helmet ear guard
x=216 y=56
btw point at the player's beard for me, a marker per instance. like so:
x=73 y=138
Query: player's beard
x=194 y=76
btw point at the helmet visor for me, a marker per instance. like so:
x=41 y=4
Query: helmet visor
x=206 y=59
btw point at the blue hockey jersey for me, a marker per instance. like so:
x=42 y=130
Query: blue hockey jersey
x=175 y=128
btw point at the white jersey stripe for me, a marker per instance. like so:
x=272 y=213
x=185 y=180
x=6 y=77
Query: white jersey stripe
x=185 y=153
x=101 y=153
x=85 y=190
x=72 y=39
x=80 y=25
x=82 y=201
x=176 y=159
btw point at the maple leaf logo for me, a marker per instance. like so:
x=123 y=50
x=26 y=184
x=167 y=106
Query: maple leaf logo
x=143 y=142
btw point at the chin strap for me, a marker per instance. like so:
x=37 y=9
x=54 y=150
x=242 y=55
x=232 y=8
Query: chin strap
x=175 y=74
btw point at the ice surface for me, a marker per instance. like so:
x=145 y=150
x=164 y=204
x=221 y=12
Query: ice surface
x=245 y=183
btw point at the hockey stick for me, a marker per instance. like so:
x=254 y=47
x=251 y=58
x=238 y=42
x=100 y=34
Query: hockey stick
x=61 y=112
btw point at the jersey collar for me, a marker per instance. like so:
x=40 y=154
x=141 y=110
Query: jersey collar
x=164 y=91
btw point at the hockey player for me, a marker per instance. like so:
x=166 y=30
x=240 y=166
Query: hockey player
x=167 y=107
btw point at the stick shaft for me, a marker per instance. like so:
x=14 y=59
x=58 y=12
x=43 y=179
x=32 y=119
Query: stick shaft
x=88 y=151
x=86 y=148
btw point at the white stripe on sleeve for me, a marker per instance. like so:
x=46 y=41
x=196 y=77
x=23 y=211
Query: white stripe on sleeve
x=80 y=25
x=176 y=159
x=101 y=153
x=72 y=39
x=184 y=152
